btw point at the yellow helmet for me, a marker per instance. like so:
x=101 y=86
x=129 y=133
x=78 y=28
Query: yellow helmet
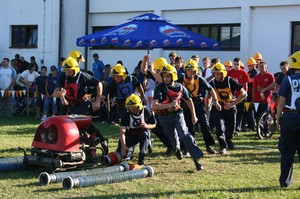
x=257 y=56
x=295 y=60
x=242 y=65
x=134 y=100
x=159 y=63
x=228 y=63
x=76 y=55
x=219 y=68
x=71 y=64
x=251 y=61
x=191 y=65
x=169 y=69
x=119 y=70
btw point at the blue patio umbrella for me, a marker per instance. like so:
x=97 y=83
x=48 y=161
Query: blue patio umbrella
x=148 y=31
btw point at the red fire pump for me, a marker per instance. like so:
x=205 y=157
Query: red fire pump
x=67 y=142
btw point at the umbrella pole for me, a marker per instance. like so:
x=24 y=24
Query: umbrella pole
x=27 y=92
x=108 y=107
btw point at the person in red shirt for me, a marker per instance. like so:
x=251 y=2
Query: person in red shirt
x=241 y=77
x=258 y=57
x=261 y=81
x=248 y=117
x=228 y=65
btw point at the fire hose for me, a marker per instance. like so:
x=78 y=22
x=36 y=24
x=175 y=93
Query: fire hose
x=46 y=178
x=70 y=182
x=12 y=164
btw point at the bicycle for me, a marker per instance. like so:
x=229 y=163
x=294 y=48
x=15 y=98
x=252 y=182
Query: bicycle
x=267 y=121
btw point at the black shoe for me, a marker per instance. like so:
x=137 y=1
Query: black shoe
x=210 y=150
x=104 y=145
x=168 y=151
x=230 y=145
x=179 y=154
x=245 y=129
x=251 y=128
x=141 y=159
x=198 y=165
x=186 y=154
x=222 y=151
x=129 y=156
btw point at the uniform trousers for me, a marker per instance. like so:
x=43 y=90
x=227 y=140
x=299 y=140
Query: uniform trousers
x=289 y=143
x=175 y=128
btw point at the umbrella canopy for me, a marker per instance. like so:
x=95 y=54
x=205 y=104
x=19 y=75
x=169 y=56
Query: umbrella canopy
x=148 y=31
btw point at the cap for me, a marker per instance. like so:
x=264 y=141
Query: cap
x=95 y=55
x=53 y=68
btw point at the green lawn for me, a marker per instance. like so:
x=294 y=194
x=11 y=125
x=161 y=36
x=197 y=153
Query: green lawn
x=250 y=171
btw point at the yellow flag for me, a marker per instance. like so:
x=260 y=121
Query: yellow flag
x=247 y=105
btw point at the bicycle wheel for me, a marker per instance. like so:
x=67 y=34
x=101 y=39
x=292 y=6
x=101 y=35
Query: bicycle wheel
x=266 y=125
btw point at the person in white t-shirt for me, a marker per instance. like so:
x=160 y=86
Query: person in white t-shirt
x=27 y=78
x=7 y=80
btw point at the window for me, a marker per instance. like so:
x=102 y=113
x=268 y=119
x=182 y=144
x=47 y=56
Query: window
x=227 y=34
x=295 y=43
x=24 y=36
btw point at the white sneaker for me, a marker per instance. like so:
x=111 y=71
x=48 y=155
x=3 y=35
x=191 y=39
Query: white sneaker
x=44 y=117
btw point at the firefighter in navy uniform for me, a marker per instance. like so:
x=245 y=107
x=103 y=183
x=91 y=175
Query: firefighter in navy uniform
x=152 y=79
x=71 y=89
x=121 y=87
x=166 y=104
x=225 y=106
x=197 y=86
x=135 y=127
x=288 y=116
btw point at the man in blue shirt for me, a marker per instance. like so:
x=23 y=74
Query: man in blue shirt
x=59 y=67
x=98 y=67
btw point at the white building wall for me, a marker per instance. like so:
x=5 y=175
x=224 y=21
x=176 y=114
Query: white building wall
x=45 y=14
x=271 y=33
x=31 y=12
x=73 y=24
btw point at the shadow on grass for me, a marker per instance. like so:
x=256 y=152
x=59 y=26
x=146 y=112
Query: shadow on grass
x=252 y=158
x=26 y=173
x=19 y=120
x=187 y=192
x=10 y=150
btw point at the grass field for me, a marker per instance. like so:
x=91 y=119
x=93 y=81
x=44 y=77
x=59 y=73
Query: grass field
x=250 y=171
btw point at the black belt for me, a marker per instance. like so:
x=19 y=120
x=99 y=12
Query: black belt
x=197 y=99
x=167 y=111
x=287 y=110
x=75 y=102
